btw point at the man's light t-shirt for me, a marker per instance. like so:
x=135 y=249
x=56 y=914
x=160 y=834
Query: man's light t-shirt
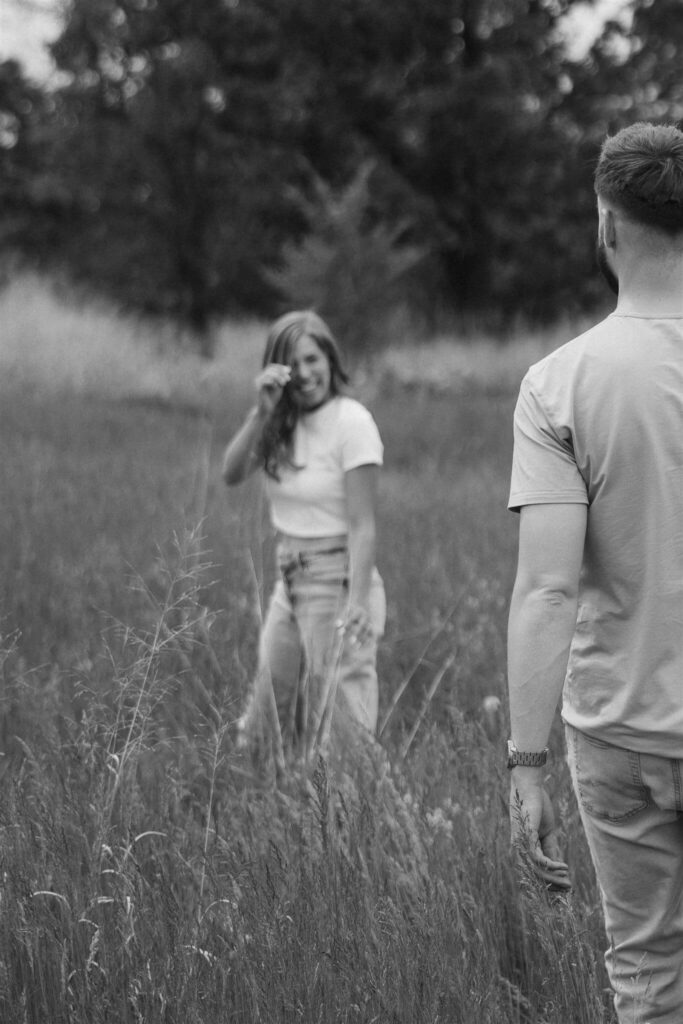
x=310 y=500
x=600 y=422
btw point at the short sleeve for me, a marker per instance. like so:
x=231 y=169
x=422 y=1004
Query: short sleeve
x=360 y=443
x=544 y=470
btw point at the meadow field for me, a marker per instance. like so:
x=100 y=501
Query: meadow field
x=151 y=873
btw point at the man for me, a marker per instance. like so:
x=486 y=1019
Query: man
x=597 y=606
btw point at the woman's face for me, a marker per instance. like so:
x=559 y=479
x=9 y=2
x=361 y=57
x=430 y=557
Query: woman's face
x=311 y=374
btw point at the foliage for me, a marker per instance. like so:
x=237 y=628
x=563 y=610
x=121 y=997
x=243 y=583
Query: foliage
x=165 y=126
x=640 y=64
x=194 y=155
x=354 y=272
x=31 y=202
x=198 y=159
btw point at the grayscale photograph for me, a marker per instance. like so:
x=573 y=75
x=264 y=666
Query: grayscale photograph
x=341 y=511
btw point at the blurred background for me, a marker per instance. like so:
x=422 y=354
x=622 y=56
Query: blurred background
x=402 y=165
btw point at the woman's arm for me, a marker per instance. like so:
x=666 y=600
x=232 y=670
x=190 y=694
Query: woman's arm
x=241 y=455
x=361 y=488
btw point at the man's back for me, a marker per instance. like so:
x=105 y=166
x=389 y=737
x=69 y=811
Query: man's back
x=597 y=605
x=604 y=417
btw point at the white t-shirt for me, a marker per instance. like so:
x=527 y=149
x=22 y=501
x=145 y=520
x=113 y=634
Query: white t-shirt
x=600 y=422
x=310 y=500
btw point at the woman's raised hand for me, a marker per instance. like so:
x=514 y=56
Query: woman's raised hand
x=270 y=384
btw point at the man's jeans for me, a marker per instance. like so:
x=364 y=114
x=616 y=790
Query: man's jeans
x=302 y=651
x=632 y=810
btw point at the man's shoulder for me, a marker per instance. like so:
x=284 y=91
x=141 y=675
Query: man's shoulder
x=563 y=362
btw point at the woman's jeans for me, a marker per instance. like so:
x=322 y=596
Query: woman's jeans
x=303 y=652
x=632 y=810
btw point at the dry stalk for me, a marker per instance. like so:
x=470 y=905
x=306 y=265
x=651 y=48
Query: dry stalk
x=321 y=725
x=264 y=683
x=401 y=688
x=436 y=682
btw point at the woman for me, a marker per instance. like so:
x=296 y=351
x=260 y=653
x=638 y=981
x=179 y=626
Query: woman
x=319 y=451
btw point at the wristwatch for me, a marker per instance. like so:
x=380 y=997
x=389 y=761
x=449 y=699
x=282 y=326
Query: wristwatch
x=525 y=758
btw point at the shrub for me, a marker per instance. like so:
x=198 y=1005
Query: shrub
x=349 y=269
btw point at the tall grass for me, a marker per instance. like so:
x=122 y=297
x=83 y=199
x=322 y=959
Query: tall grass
x=52 y=344
x=150 y=872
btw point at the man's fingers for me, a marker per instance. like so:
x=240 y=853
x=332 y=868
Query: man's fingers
x=554 y=874
x=545 y=861
x=550 y=846
x=540 y=857
x=534 y=833
x=556 y=881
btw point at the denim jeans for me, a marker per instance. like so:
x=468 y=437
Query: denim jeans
x=632 y=810
x=303 y=653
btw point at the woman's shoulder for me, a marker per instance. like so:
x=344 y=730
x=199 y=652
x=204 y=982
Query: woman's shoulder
x=356 y=427
x=351 y=410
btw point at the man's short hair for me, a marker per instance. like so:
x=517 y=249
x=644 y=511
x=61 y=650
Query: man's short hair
x=640 y=170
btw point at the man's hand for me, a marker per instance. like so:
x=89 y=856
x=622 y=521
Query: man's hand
x=533 y=830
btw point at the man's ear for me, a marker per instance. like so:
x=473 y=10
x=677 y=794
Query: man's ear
x=609 y=228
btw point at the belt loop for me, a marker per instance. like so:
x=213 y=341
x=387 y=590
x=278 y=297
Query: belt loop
x=287 y=571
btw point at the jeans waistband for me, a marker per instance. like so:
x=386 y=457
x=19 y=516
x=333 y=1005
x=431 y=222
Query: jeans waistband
x=312 y=545
x=303 y=559
x=293 y=554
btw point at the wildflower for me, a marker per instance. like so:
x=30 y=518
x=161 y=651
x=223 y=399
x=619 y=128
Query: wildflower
x=437 y=822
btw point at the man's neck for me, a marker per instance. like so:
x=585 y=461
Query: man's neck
x=652 y=289
x=632 y=306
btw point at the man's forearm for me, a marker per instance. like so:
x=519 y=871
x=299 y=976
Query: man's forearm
x=540 y=632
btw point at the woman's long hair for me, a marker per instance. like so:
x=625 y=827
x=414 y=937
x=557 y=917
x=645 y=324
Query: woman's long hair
x=277 y=437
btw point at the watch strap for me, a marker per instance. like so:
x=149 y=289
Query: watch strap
x=526 y=758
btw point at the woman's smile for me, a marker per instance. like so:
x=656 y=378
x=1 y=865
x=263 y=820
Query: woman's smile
x=311 y=374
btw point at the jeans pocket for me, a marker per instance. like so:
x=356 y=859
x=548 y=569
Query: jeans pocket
x=607 y=779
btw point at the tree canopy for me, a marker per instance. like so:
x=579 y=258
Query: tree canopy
x=193 y=150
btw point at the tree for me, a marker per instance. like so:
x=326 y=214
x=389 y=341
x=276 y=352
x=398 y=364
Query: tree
x=639 y=63
x=31 y=200
x=191 y=138
x=352 y=271
x=186 y=175
x=462 y=106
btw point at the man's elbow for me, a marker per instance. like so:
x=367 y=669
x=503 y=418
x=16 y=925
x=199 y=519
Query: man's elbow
x=362 y=528
x=558 y=596
x=232 y=475
x=554 y=592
